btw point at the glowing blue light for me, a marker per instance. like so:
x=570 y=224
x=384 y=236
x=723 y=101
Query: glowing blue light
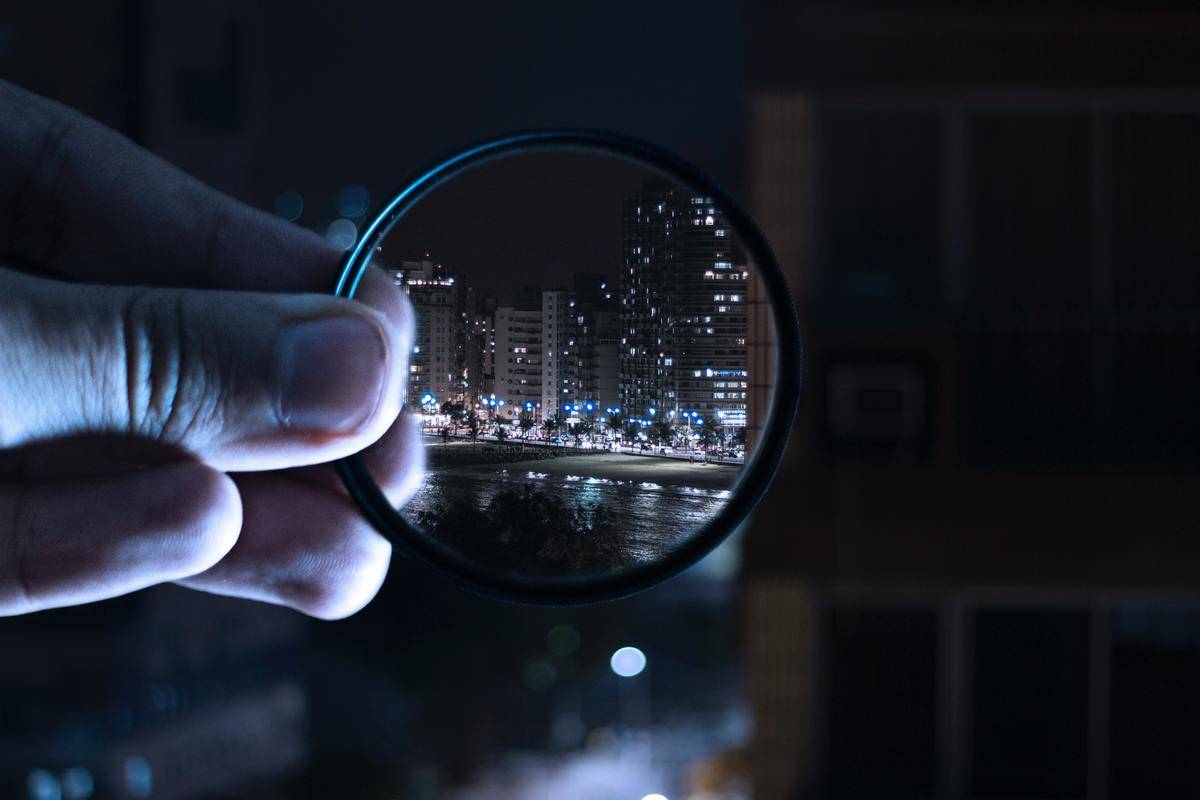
x=695 y=413
x=77 y=784
x=139 y=778
x=628 y=662
x=289 y=205
x=353 y=201
x=342 y=233
x=40 y=784
x=566 y=406
x=589 y=406
x=529 y=406
x=428 y=398
x=652 y=412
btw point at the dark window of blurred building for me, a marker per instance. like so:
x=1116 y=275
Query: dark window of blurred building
x=882 y=701
x=1157 y=192
x=1030 y=235
x=1030 y=700
x=1030 y=367
x=1156 y=250
x=1154 y=696
x=1028 y=395
x=879 y=217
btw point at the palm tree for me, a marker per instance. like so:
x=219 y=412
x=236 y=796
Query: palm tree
x=555 y=422
x=616 y=421
x=525 y=422
x=662 y=432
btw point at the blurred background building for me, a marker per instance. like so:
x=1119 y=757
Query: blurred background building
x=975 y=576
x=990 y=222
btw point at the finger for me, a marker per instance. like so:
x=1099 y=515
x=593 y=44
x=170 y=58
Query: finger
x=83 y=201
x=303 y=546
x=246 y=381
x=396 y=463
x=76 y=542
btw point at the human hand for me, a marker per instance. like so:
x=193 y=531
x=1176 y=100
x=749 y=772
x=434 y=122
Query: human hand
x=172 y=384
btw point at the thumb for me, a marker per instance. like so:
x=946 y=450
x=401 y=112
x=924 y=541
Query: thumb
x=246 y=381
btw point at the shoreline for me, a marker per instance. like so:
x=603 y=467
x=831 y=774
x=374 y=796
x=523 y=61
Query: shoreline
x=615 y=467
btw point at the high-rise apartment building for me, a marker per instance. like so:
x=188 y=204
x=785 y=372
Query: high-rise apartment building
x=435 y=364
x=518 y=355
x=581 y=330
x=682 y=311
x=560 y=371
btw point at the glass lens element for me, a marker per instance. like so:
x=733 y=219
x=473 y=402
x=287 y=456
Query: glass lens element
x=593 y=362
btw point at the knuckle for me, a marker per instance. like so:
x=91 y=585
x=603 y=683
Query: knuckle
x=170 y=389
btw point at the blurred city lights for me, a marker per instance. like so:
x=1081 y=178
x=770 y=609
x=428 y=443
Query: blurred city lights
x=353 y=201
x=40 y=784
x=77 y=784
x=540 y=675
x=289 y=205
x=342 y=233
x=139 y=778
x=628 y=662
x=563 y=640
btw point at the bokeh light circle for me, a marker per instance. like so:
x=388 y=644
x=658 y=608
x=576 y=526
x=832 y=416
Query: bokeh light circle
x=628 y=662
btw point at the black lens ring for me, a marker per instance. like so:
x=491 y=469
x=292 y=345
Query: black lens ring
x=755 y=478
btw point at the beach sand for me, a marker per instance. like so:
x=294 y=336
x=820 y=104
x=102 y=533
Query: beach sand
x=623 y=467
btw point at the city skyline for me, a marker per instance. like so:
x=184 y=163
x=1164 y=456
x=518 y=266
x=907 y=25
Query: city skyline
x=665 y=336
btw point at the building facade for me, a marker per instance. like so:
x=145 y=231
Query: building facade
x=435 y=364
x=560 y=373
x=518 y=358
x=682 y=307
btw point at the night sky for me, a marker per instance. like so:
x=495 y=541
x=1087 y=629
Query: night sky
x=529 y=219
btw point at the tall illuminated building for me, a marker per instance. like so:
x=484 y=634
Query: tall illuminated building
x=580 y=331
x=518 y=353
x=435 y=364
x=682 y=310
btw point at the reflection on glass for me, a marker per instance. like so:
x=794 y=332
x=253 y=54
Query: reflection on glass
x=581 y=365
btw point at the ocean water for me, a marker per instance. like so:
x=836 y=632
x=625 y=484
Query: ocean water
x=656 y=516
